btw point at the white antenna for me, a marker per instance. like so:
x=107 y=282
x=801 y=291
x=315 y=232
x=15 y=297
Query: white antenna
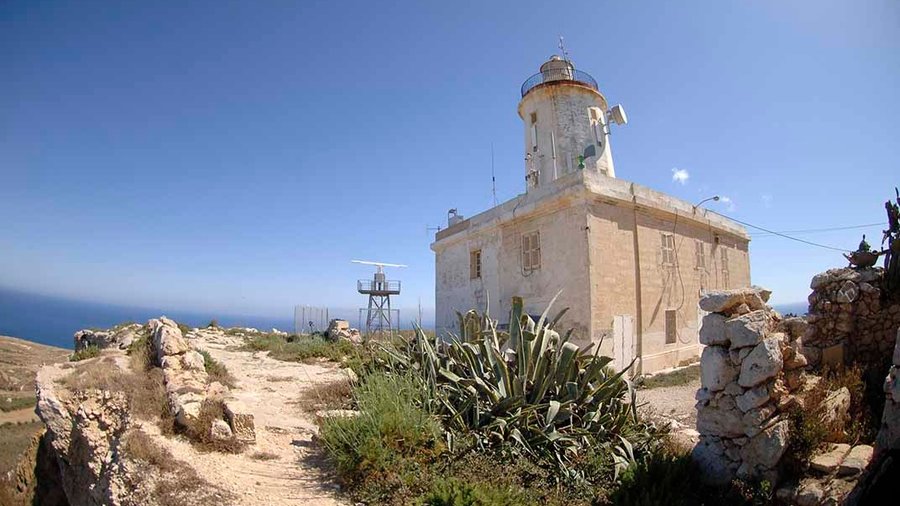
x=493 y=179
x=378 y=265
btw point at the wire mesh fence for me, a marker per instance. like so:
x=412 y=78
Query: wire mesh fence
x=310 y=319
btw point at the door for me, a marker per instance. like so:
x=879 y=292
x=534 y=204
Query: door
x=623 y=341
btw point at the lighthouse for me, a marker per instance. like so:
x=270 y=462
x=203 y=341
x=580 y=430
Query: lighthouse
x=566 y=121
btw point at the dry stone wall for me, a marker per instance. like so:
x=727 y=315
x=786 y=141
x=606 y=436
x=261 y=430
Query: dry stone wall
x=889 y=432
x=748 y=371
x=849 y=321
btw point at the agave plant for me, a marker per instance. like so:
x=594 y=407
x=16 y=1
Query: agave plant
x=527 y=386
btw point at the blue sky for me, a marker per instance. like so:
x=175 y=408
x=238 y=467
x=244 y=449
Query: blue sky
x=235 y=156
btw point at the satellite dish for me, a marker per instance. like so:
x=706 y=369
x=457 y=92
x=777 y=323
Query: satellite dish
x=618 y=115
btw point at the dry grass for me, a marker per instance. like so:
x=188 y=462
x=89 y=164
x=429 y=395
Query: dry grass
x=263 y=456
x=675 y=378
x=144 y=390
x=178 y=483
x=12 y=403
x=217 y=370
x=333 y=395
x=276 y=379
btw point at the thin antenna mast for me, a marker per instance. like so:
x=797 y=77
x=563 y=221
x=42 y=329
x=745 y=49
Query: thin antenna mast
x=493 y=178
x=562 y=48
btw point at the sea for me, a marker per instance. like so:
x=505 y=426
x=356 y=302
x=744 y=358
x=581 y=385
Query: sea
x=53 y=320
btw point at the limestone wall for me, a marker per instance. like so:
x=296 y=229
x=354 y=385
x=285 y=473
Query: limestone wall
x=848 y=320
x=889 y=432
x=748 y=371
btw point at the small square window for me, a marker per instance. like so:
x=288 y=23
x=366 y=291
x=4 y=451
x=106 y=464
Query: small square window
x=531 y=251
x=475 y=264
x=671 y=332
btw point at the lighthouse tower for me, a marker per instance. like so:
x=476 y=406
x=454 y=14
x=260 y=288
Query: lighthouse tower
x=566 y=122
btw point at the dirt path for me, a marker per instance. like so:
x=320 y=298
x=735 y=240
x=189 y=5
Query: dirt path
x=23 y=415
x=675 y=403
x=291 y=470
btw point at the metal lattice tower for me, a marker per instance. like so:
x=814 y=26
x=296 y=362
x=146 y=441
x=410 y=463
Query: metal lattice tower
x=379 y=315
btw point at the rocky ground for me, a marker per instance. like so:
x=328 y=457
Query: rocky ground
x=19 y=361
x=283 y=466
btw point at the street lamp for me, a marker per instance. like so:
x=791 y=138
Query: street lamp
x=698 y=204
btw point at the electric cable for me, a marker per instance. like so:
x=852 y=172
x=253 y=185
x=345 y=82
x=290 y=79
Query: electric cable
x=816 y=230
x=804 y=241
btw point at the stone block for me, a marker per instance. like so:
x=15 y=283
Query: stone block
x=856 y=461
x=828 y=461
x=720 y=421
x=240 y=420
x=193 y=360
x=716 y=370
x=712 y=330
x=723 y=301
x=753 y=398
x=766 y=448
x=709 y=454
x=747 y=330
x=762 y=363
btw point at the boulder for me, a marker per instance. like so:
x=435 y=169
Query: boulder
x=747 y=330
x=723 y=301
x=712 y=330
x=167 y=338
x=766 y=448
x=220 y=431
x=716 y=370
x=856 y=461
x=809 y=493
x=828 y=461
x=762 y=363
x=847 y=293
x=835 y=412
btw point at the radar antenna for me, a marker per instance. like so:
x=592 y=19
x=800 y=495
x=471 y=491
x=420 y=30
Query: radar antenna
x=379 y=315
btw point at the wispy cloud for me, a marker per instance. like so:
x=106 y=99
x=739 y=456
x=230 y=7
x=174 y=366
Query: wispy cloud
x=766 y=200
x=729 y=204
x=680 y=175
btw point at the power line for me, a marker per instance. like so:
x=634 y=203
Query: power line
x=815 y=230
x=779 y=234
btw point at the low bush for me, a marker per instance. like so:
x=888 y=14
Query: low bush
x=299 y=348
x=213 y=324
x=217 y=370
x=85 y=353
x=866 y=400
x=392 y=428
x=333 y=395
x=455 y=492
x=198 y=430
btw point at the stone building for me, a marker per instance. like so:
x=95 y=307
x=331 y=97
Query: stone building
x=630 y=262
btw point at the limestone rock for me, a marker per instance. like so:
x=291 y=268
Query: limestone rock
x=835 y=412
x=828 y=461
x=856 y=461
x=167 y=338
x=720 y=421
x=766 y=448
x=240 y=421
x=216 y=391
x=193 y=360
x=755 y=419
x=723 y=301
x=762 y=363
x=716 y=370
x=809 y=493
x=220 y=431
x=709 y=454
x=753 y=398
x=847 y=293
x=712 y=331
x=747 y=330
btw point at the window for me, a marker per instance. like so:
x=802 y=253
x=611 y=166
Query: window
x=475 y=264
x=700 y=255
x=671 y=334
x=534 y=137
x=726 y=280
x=531 y=251
x=668 y=249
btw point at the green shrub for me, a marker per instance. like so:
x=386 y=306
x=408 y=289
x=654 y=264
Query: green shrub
x=217 y=370
x=392 y=427
x=298 y=348
x=530 y=389
x=85 y=353
x=213 y=324
x=183 y=328
x=659 y=480
x=454 y=492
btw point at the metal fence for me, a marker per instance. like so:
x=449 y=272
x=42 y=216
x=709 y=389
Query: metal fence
x=309 y=319
x=564 y=74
